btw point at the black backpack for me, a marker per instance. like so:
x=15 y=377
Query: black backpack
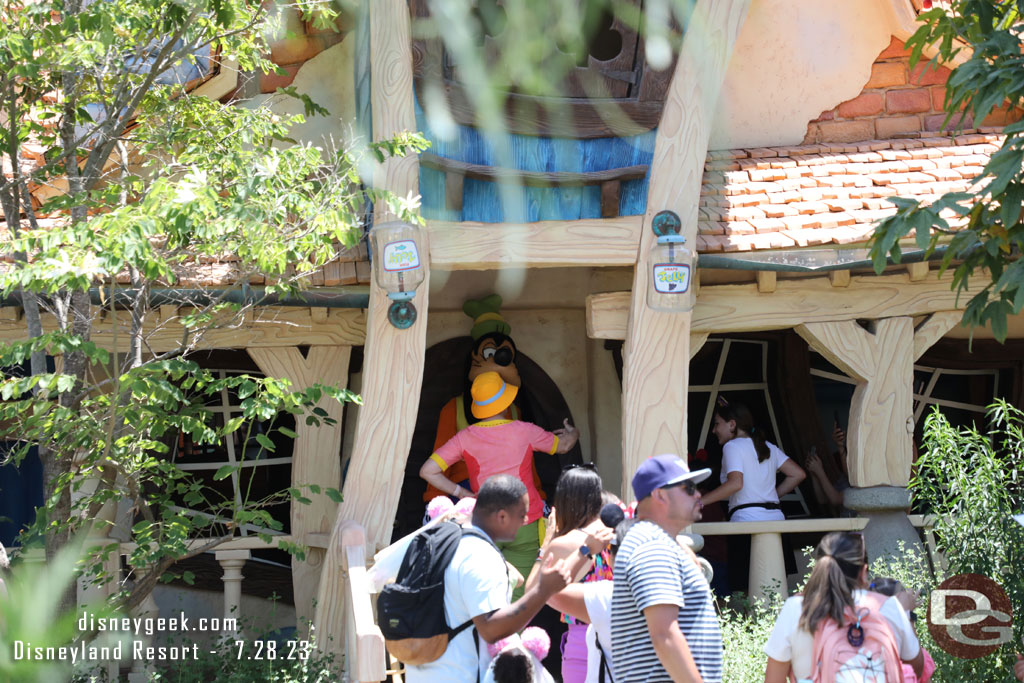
x=410 y=611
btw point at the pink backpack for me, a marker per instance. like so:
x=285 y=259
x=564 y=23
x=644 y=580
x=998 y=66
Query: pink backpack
x=861 y=650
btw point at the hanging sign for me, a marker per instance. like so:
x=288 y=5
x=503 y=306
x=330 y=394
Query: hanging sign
x=671 y=278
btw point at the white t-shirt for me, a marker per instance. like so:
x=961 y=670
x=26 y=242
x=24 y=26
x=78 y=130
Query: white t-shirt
x=738 y=455
x=787 y=643
x=597 y=596
x=475 y=583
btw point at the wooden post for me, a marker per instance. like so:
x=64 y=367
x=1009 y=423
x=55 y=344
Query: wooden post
x=878 y=437
x=363 y=639
x=393 y=362
x=316 y=456
x=656 y=358
x=880 y=448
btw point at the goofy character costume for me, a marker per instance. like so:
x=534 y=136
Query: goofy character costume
x=499 y=444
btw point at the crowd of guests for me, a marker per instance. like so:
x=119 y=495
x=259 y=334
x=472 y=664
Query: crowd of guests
x=634 y=595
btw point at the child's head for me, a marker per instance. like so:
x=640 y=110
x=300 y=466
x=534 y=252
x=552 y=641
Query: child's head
x=517 y=658
x=513 y=665
x=892 y=587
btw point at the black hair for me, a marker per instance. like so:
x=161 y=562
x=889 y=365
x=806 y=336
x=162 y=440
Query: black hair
x=577 y=499
x=745 y=422
x=886 y=586
x=513 y=666
x=499 y=492
x=621 y=529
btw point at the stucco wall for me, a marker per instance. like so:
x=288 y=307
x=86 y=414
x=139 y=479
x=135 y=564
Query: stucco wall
x=328 y=79
x=793 y=60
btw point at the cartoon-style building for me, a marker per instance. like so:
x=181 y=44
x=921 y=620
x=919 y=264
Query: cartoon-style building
x=776 y=136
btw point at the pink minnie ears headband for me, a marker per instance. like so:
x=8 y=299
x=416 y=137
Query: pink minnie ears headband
x=534 y=640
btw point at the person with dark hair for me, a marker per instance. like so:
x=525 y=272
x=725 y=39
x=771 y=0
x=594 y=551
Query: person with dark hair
x=578 y=531
x=664 y=625
x=908 y=599
x=835 y=592
x=749 y=464
x=592 y=603
x=513 y=666
x=827 y=490
x=476 y=585
x=749 y=467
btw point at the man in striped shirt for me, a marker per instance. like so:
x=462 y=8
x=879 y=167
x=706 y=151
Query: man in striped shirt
x=664 y=626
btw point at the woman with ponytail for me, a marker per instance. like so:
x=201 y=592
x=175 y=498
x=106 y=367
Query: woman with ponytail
x=835 y=589
x=749 y=464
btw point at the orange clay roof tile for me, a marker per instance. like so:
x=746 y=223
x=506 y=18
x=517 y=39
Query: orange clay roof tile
x=821 y=194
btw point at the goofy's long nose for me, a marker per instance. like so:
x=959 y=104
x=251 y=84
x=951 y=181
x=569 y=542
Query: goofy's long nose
x=503 y=357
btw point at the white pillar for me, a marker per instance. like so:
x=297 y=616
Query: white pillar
x=232 y=562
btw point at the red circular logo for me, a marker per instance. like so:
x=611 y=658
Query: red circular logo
x=970 y=616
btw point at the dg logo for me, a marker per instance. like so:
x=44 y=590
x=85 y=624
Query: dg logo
x=970 y=616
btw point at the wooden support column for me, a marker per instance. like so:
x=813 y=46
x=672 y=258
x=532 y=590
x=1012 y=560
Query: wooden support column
x=656 y=357
x=316 y=456
x=393 y=358
x=878 y=437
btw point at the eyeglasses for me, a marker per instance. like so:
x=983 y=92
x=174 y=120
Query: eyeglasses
x=722 y=403
x=687 y=485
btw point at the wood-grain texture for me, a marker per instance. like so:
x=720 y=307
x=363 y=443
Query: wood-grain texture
x=881 y=411
x=316 y=454
x=656 y=368
x=546 y=244
x=393 y=358
x=741 y=308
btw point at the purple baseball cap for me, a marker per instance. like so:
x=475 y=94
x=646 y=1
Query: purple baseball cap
x=661 y=471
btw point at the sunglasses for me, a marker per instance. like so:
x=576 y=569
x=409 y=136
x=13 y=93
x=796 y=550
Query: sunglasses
x=686 y=485
x=584 y=465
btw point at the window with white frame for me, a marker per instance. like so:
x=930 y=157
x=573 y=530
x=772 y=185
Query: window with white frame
x=258 y=472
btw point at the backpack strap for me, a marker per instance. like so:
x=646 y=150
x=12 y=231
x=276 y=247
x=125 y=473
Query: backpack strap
x=603 y=667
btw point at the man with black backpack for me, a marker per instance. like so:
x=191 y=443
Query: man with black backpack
x=477 y=590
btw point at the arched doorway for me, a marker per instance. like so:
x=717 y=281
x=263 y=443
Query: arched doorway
x=446 y=366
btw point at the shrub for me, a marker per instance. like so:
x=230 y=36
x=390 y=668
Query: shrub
x=970 y=482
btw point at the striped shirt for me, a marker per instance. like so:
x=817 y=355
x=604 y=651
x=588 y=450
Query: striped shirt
x=651 y=569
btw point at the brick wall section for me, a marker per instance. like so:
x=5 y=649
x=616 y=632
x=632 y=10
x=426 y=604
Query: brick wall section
x=829 y=193
x=297 y=42
x=897 y=102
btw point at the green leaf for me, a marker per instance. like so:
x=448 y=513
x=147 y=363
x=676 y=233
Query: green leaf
x=224 y=472
x=265 y=441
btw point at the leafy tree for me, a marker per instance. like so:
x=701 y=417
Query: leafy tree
x=982 y=230
x=148 y=184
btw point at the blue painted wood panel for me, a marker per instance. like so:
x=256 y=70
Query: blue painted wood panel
x=488 y=202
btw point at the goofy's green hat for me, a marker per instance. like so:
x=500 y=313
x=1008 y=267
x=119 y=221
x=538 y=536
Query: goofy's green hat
x=486 y=318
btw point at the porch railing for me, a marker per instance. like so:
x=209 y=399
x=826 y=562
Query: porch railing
x=767 y=561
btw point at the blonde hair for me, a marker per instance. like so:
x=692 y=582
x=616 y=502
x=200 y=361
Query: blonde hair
x=838 y=561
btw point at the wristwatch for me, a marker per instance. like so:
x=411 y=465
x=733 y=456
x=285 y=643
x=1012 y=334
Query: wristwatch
x=585 y=552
